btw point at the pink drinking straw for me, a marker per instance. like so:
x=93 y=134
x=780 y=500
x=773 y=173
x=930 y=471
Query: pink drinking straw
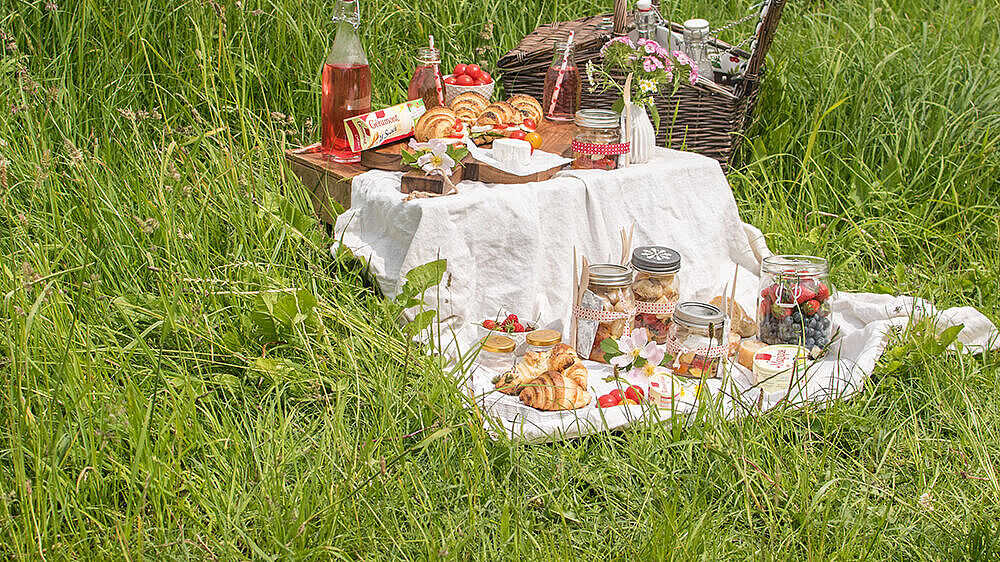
x=562 y=71
x=437 y=78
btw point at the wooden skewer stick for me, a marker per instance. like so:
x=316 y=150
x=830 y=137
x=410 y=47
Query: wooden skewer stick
x=576 y=298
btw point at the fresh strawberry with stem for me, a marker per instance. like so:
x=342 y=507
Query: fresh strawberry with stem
x=490 y=324
x=810 y=307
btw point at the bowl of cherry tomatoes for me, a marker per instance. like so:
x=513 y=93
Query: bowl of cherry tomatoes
x=468 y=78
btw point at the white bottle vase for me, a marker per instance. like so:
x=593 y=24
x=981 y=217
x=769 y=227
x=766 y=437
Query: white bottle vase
x=643 y=137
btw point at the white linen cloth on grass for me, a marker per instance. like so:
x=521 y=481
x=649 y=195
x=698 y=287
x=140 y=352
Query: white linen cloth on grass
x=510 y=248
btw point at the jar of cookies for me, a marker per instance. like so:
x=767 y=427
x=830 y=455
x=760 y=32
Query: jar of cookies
x=612 y=285
x=697 y=341
x=656 y=289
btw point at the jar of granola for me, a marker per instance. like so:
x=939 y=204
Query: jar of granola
x=597 y=142
x=697 y=341
x=612 y=285
x=656 y=289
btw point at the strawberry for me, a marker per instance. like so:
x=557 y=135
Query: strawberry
x=822 y=292
x=810 y=307
x=518 y=327
x=769 y=292
x=780 y=312
x=490 y=324
x=508 y=321
x=805 y=294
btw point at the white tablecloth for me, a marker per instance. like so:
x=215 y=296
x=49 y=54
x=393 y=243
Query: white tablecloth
x=510 y=248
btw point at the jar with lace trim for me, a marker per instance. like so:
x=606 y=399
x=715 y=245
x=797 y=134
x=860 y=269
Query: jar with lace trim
x=656 y=289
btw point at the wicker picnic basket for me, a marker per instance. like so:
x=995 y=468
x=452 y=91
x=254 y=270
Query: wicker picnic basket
x=708 y=118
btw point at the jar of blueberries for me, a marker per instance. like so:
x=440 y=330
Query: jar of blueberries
x=795 y=302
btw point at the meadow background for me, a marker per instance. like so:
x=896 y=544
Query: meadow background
x=159 y=398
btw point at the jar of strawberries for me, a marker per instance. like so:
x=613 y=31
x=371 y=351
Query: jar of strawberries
x=795 y=302
x=596 y=144
x=656 y=289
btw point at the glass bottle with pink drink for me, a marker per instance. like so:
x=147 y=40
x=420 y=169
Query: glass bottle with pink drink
x=347 y=82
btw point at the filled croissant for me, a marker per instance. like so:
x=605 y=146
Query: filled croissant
x=554 y=391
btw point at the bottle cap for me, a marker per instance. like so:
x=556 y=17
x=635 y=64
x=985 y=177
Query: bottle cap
x=543 y=338
x=698 y=314
x=656 y=259
x=644 y=5
x=498 y=344
x=610 y=275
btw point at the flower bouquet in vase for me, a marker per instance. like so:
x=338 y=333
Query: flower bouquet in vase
x=651 y=69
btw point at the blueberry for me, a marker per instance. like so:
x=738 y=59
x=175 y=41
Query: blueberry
x=810 y=343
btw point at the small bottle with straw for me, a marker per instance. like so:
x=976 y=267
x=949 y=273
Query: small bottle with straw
x=427 y=83
x=561 y=98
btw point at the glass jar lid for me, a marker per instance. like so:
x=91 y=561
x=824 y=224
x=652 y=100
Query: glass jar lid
x=498 y=344
x=543 y=338
x=697 y=314
x=598 y=119
x=610 y=275
x=697 y=27
x=656 y=259
x=804 y=266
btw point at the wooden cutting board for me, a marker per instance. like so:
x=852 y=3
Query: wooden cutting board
x=556 y=138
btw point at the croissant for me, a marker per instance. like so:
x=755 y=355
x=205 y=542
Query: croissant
x=553 y=391
x=499 y=113
x=435 y=124
x=530 y=366
x=578 y=372
x=468 y=106
x=527 y=105
x=561 y=356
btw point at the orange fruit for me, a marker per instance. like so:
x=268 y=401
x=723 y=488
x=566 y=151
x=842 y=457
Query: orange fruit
x=535 y=139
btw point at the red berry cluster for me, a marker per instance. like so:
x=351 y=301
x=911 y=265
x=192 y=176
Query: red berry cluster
x=632 y=395
x=510 y=325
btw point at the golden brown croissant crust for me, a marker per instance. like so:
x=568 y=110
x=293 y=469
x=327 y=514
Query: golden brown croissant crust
x=527 y=105
x=435 y=124
x=553 y=391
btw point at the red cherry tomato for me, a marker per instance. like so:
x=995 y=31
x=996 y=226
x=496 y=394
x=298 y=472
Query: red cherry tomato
x=634 y=393
x=617 y=395
x=485 y=76
x=451 y=80
x=465 y=80
x=459 y=70
x=519 y=135
x=607 y=401
x=530 y=123
x=473 y=70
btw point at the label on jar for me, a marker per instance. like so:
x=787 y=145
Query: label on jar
x=586 y=330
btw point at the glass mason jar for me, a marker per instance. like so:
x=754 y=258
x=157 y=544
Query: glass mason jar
x=561 y=94
x=427 y=83
x=542 y=340
x=795 y=302
x=697 y=340
x=612 y=284
x=696 y=46
x=656 y=289
x=597 y=142
x=497 y=353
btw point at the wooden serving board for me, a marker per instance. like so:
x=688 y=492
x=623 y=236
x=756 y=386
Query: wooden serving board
x=330 y=182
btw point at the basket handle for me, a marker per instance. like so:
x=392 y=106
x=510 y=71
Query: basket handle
x=619 y=24
x=764 y=35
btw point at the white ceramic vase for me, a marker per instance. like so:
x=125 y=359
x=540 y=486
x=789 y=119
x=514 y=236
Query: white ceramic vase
x=643 y=137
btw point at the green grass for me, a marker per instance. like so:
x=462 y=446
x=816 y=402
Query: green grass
x=146 y=414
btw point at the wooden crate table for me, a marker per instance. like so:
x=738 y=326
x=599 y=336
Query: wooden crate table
x=329 y=182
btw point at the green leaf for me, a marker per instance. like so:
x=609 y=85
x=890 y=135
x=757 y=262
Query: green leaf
x=425 y=276
x=610 y=348
x=654 y=114
x=420 y=322
x=619 y=105
x=949 y=336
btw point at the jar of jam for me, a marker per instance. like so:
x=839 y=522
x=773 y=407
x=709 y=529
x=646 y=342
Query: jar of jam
x=542 y=340
x=697 y=341
x=597 y=142
x=795 y=302
x=497 y=353
x=656 y=289
x=612 y=284
x=426 y=83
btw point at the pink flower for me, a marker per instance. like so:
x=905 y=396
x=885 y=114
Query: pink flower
x=648 y=65
x=650 y=47
x=693 y=76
